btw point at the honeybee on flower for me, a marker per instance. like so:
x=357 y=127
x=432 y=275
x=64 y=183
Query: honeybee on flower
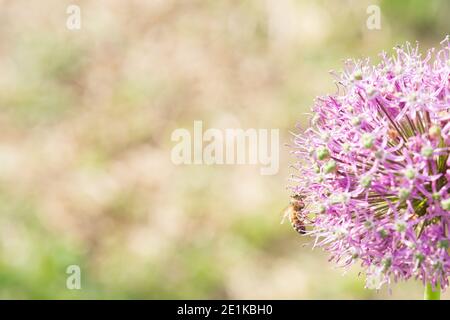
x=374 y=167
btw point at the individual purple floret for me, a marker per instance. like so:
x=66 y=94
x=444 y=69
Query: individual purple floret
x=373 y=168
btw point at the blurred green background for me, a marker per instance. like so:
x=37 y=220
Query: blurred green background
x=86 y=118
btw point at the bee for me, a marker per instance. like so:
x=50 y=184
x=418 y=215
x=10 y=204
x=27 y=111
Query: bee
x=294 y=213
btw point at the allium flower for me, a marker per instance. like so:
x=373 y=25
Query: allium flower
x=374 y=170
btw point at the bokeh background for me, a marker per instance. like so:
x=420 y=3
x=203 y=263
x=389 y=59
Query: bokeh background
x=86 y=118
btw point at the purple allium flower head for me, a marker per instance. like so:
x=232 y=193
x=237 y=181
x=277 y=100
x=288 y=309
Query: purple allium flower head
x=374 y=170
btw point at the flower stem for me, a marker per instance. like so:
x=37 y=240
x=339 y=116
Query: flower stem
x=430 y=294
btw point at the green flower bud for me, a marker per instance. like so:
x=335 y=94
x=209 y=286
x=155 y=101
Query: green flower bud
x=410 y=173
x=356 y=121
x=436 y=196
x=340 y=232
x=443 y=244
x=322 y=153
x=404 y=194
x=400 y=226
x=371 y=92
x=346 y=146
x=437 y=265
x=411 y=245
x=445 y=204
x=368 y=224
x=427 y=151
x=322 y=208
x=434 y=132
x=387 y=262
x=316 y=168
x=367 y=140
x=330 y=166
x=383 y=233
x=339 y=198
x=357 y=75
x=412 y=97
x=366 y=181
x=419 y=258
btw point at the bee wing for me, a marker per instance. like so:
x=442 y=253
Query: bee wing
x=285 y=212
